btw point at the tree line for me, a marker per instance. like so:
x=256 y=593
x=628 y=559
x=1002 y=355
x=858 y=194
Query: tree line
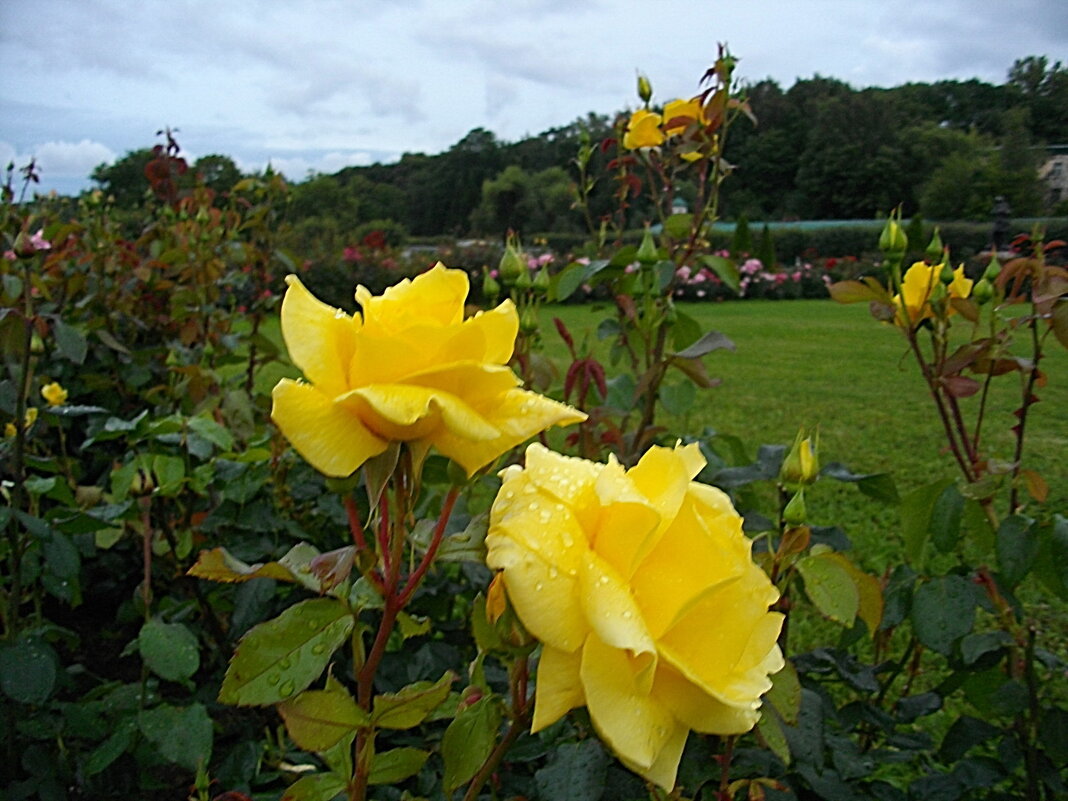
x=818 y=150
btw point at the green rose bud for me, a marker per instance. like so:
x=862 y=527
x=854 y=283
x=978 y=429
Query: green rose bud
x=801 y=465
x=795 y=512
x=934 y=248
x=647 y=250
x=946 y=274
x=892 y=240
x=541 y=280
x=983 y=291
x=993 y=269
x=490 y=287
x=512 y=264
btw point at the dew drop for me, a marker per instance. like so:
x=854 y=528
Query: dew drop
x=318 y=648
x=628 y=615
x=273 y=678
x=539 y=587
x=534 y=506
x=508 y=495
x=602 y=580
x=553 y=572
x=287 y=689
x=286 y=663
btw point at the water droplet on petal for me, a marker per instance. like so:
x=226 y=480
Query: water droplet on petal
x=539 y=587
x=628 y=615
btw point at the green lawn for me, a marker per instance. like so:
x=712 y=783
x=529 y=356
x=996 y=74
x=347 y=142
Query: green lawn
x=818 y=363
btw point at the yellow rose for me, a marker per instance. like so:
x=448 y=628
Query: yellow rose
x=643 y=130
x=409 y=368
x=640 y=585
x=678 y=114
x=54 y=394
x=917 y=287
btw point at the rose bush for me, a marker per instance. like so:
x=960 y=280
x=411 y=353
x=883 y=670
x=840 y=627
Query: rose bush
x=640 y=585
x=410 y=368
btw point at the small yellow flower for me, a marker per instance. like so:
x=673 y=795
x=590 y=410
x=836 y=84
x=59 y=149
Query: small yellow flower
x=27 y=423
x=410 y=368
x=918 y=287
x=643 y=130
x=641 y=588
x=678 y=114
x=54 y=394
x=801 y=465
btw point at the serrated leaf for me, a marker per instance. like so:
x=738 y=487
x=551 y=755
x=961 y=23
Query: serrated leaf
x=181 y=735
x=212 y=431
x=1017 y=546
x=410 y=706
x=396 y=765
x=725 y=269
x=943 y=611
x=852 y=292
x=169 y=650
x=283 y=656
x=28 y=671
x=315 y=787
x=468 y=741
x=219 y=565
x=915 y=511
x=576 y=772
x=769 y=729
x=319 y=719
x=785 y=693
x=830 y=587
x=70 y=342
x=946 y=514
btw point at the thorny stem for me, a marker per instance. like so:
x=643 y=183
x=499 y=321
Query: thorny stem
x=725 y=768
x=1025 y=405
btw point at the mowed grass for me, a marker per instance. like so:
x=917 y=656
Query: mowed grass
x=816 y=363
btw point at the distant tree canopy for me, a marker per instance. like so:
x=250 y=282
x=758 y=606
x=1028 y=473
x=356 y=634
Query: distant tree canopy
x=820 y=149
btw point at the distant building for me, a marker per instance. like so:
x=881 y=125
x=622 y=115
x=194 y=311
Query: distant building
x=1053 y=173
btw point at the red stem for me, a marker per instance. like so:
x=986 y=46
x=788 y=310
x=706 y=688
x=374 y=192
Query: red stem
x=417 y=575
x=355 y=526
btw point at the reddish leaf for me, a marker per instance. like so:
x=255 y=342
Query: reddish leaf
x=960 y=386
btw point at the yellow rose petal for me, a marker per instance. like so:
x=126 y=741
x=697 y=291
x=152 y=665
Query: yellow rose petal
x=406 y=412
x=613 y=614
x=545 y=597
x=319 y=338
x=437 y=297
x=697 y=709
x=633 y=723
x=627 y=520
x=330 y=437
x=558 y=688
x=518 y=415
x=666 y=765
x=567 y=478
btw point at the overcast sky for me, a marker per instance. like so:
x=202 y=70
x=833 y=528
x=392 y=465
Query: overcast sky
x=321 y=84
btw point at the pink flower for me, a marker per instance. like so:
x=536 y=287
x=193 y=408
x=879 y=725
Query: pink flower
x=796 y=275
x=683 y=272
x=39 y=242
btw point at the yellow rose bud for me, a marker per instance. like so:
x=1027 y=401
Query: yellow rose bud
x=54 y=394
x=921 y=285
x=409 y=368
x=31 y=417
x=643 y=130
x=645 y=89
x=9 y=430
x=801 y=465
x=642 y=589
x=892 y=240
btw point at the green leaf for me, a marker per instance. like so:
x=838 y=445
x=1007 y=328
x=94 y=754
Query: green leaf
x=830 y=587
x=576 y=772
x=410 y=706
x=28 y=671
x=769 y=729
x=169 y=472
x=678 y=399
x=712 y=340
x=726 y=269
x=785 y=693
x=852 y=292
x=169 y=649
x=468 y=741
x=70 y=342
x=318 y=719
x=965 y=733
x=283 y=656
x=182 y=735
x=568 y=280
x=213 y=432
x=315 y=787
x=677 y=226
x=1017 y=545
x=916 y=509
x=943 y=611
x=112 y=748
x=1051 y=566
x=945 y=519
x=396 y=765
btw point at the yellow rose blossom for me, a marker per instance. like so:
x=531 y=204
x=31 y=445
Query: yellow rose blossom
x=410 y=368
x=643 y=130
x=917 y=287
x=678 y=114
x=27 y=423
x=54 y=394
x=640 y=585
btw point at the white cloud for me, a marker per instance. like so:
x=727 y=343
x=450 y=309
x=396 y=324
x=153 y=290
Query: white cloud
x=297 y=168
